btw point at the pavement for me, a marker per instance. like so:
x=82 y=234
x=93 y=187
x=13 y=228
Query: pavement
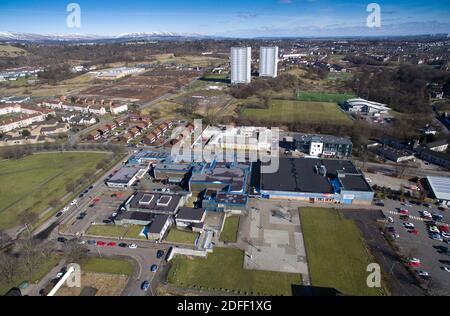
x=274 y=241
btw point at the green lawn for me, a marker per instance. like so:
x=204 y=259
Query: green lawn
x=336 y=252
x=33 y=181
x=182 y=237
x=133 y=232
x=106 y=230
x=41 y=271
x=287 y=111
x=324 y=97
x=106 y=265
x=223 y=270
x=230 y=229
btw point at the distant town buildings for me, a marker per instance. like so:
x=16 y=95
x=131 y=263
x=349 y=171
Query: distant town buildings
x=117 y=73
x=318 y=145
x=268 y=61
x=241 y=64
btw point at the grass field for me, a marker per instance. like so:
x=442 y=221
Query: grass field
x=223 y=270
x=336 y=252
x=30 y=183
x=41 y=271
x=106 y=265
x=106 y=230
x=11 y=51
x=324 y=97
x=287 y=111
x=230 y=229
x=181 y=237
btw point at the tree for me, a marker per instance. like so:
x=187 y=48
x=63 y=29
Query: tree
x=5 y=239
x=75 y=252
x=9 y=266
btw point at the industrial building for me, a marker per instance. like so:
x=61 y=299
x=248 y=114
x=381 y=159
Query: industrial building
x=126 y=177
x=313 y=180
x=154 y=210
x=318 y=145
x=439 y=188
x=268 y=61
x=241 y=64
x=365 y=106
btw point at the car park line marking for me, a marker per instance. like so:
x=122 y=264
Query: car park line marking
x=417 y=218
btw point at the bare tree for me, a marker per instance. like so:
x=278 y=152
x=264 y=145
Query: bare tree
x=8 y=267
x=5 y=239
x=74 y=251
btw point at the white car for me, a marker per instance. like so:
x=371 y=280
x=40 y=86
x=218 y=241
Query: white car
x=426 y=214
x=65 y=209
x=390 y=219
x=445 y=235
x=59 y=275
x=434 y=229
x=409 y=225
x=73 y=202
x=132 y=246
x=113 y=214
x=446 y=269
x=369 y=180
x=423 y=274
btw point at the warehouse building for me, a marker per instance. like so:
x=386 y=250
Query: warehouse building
x=439 y=188
x=126 y=177
x=314 y=180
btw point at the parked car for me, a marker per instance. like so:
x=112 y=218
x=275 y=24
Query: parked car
x=446 y=269
x=413 y=231
x=403 y=211
x=80 y=196
x=73 y=202
x=107 y=221
x=61 y=239
x=154 y=268
x=409 y=225
x=390 y=219
x=145 y=285
x=58 y=214
x=132 y=246
x=437 y=237
x=445 y=235
x=414 y=262
x=111 y=244
x=91 y=242
x=101 y=243
x=160 y=254
x=122 y=245
x=434 y=229
x=423 y=274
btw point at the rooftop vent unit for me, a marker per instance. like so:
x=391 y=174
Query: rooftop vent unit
x=321 y=170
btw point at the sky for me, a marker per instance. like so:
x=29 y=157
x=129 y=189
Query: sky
x=232 y=18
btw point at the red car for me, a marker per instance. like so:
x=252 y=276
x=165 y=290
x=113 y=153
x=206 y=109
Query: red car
x=111 y=244
x=403 y=212
x=443 y=229
x=413 y=262
x=414 y=231
x=101 y=243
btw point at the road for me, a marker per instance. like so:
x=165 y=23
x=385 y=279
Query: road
x=409 y=170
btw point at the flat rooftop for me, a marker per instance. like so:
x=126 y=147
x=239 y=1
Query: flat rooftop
x=440 y=187
x=124 y=175
x=355 y=182
x=157 y=202
x=189 y=213
x=300 y=175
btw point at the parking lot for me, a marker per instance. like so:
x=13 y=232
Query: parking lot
x=416 y=243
